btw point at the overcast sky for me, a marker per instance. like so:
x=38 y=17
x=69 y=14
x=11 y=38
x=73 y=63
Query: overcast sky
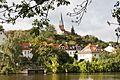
x=94 y=21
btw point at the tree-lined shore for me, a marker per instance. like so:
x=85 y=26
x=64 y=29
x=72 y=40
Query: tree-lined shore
x=51 y=58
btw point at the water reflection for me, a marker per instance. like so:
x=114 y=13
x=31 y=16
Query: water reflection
x=75 y=76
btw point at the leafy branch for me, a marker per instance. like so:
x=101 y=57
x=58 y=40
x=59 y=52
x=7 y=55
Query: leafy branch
x=28 y=9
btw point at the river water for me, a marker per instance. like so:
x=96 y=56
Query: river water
x=70 y=76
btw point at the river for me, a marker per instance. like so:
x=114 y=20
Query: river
x=70 y=76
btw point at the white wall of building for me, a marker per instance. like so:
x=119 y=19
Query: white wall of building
x=27 y=53
x=71 y=52
x=86 y=57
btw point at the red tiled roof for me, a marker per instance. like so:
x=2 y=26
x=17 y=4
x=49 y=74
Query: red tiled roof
x=25 y=46
x=90 y=48
x=55 y=45
x=93 y=48
x=66 y=46
x=61 y=27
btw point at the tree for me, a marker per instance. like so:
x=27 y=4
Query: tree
x=29 y=9
x=11 y=49
x=50 y=28
x=40 y=8
x=1 y=27
x=116 y=15
x=116 y=12
x=117 y=34
x=11 y=52
x=72 y=31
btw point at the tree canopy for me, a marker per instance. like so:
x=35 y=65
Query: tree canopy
x=29 y=8
x=39 y=8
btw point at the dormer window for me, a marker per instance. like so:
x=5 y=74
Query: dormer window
x=70 y=47
x=73 y=47
x=26 y=46
x=62 y=47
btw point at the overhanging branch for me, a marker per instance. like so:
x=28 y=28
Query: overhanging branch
x=79 y=11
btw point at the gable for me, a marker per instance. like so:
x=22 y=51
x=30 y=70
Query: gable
x=90 y=48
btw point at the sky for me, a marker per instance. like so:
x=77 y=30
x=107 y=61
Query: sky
x=94 y=21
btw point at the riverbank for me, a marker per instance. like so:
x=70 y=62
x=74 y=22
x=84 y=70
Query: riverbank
x=71 y=76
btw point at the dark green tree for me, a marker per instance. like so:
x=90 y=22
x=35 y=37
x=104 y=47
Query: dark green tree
x=29 y=9
x=72 y=31
x=1 y=27
x=116 y=15
x=116 y=11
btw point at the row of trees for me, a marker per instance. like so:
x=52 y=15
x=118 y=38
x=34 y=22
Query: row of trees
x=53 y=59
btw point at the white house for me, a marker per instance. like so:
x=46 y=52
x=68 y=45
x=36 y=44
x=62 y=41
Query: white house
x=70 y=49
x=88 y=53
x=109 y=48
x=26 y=50
x=3 y=37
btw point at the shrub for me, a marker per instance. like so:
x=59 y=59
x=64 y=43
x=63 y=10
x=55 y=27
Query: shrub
x=7 y=70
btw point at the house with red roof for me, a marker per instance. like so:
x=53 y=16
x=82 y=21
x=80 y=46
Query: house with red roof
x=70 y=49
x=26 y=50
x=88 y=53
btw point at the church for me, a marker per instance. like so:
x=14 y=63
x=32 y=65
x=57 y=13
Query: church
x=63 y=31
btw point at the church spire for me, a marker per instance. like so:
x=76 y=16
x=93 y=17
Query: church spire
x=61 y=24
x=61 y=20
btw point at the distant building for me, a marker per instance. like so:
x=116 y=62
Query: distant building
x=109 y=49
x=70 y=49
x=26 y=50
x=3 y=37
x=63 y=31
x=88 y=53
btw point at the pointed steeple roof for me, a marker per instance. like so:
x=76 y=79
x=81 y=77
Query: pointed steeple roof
x=61 y=24
x=61 y=20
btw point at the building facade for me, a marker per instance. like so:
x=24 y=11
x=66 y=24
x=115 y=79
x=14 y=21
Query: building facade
x=26 y=50
x=88 y=53
x=70 y=49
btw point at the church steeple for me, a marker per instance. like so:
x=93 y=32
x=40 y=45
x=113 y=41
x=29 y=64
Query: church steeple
x=61 y=24
x=61 y=20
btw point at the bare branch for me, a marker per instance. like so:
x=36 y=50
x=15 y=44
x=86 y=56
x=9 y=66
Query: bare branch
x=79 y=11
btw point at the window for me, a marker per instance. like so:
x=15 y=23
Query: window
x=25 y=52
x=73 y=47
x=83 y=55
x=1 y=33
x=70 y=47
x=95 y=55
x=25 y=46
x=62 y=47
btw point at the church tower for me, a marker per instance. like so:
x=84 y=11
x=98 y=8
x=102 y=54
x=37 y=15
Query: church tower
x=61 y=24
